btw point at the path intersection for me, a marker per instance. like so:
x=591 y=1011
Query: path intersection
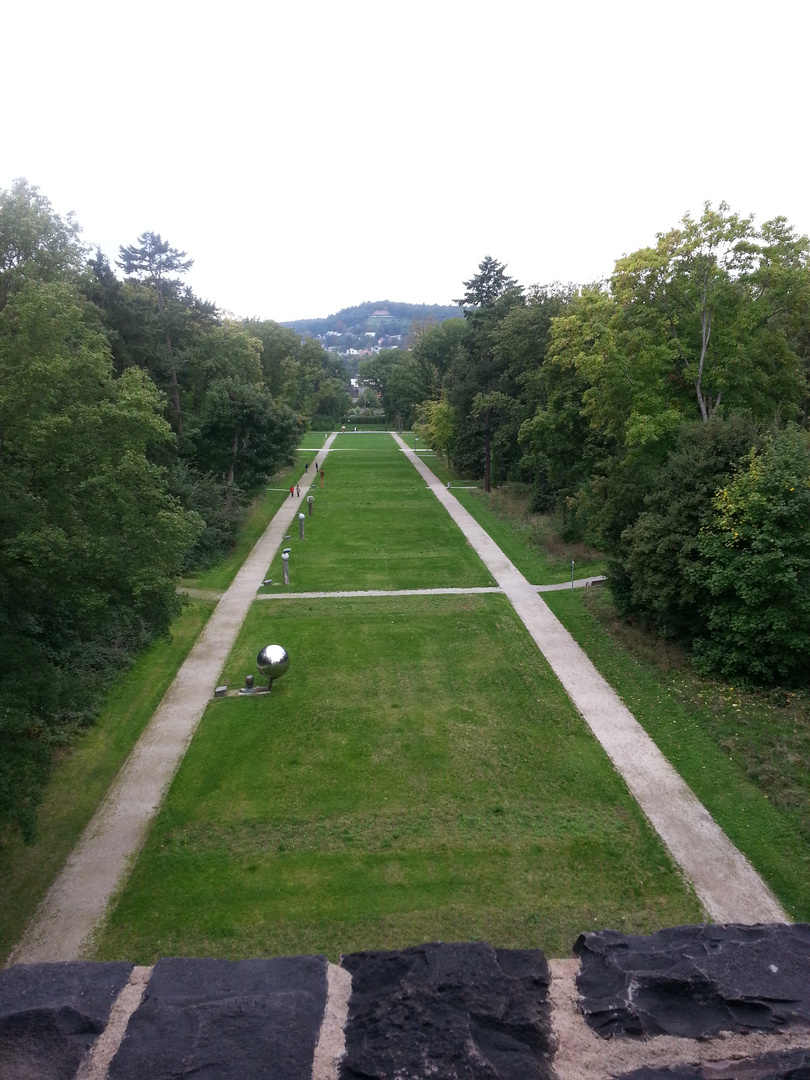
x=64 y=925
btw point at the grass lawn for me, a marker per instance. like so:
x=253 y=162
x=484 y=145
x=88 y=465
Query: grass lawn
x=376 y=526
x=529 y=540
x=418 y=774
x=258 y=517
x=745 y=755
x=87 y=768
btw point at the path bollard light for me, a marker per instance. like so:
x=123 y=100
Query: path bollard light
x=273 y=662
x=301 y=520
x=285 y=566
x=310 y=501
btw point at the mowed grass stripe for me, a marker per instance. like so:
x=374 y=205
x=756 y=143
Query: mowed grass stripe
x=376 y=526
x=419 y=774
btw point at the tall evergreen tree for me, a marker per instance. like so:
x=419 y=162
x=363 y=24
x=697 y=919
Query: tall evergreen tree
x=488 y=298
x=153 y=259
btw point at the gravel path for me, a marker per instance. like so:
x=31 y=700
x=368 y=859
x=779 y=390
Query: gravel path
x=727 y=885
x=64 y=923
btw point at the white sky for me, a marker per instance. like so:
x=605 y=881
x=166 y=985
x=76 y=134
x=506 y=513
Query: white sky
x=312 y=155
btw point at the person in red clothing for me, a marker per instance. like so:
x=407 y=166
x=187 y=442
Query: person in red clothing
x=292 y=490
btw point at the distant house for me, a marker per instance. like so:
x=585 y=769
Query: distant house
x=381 y=315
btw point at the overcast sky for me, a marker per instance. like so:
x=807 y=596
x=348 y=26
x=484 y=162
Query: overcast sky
x=310 y=156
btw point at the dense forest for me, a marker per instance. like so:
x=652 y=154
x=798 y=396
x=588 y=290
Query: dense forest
x=136 y=423
x=662 y=415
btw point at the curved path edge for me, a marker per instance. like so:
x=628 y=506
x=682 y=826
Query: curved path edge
x=727 y=885
x=64 y=923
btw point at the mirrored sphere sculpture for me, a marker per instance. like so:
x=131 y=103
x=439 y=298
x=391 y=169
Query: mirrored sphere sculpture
x=273 y=661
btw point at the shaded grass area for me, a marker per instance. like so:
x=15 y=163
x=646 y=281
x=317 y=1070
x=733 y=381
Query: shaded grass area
x=376 y=526
x=258 y=517
x=419 y=774
x=82 y=776
x=530 y=540
x=745 y=755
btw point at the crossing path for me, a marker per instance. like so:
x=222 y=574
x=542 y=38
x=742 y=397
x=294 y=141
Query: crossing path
x=63 y=925
x=726 y=884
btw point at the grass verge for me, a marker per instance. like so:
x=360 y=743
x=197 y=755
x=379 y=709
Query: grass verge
x=743 y=754
x=530 y=540
x=419 y=774
x=82 y=776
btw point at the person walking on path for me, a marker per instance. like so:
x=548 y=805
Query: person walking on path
x=306 y=466
x=298 y=490
x=316 y=468
x=292 y=490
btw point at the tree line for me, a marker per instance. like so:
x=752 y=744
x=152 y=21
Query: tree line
x=661 y=414
x=136 y=424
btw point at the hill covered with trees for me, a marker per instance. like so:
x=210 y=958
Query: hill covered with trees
x=387 y=316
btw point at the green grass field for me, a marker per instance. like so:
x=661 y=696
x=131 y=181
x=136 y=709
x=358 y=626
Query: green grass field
x=418 y=774
x=529 y=540
x=376 y=525
x=743 y=754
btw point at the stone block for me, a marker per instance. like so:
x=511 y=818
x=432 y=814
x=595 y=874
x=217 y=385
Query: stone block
x=51 y=1014
x=451 y=1011
x=695 y=981
x=226 y=1020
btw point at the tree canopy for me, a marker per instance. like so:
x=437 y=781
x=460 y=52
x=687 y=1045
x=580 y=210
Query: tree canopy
x=136 y=424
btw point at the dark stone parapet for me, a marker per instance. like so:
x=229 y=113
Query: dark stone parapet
x=702 y=1002
x=51 y=1014
x=234 y=1020
x=695 y=981
x=451 y=1011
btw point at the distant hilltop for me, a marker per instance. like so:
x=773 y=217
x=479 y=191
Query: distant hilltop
x=387 y=317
